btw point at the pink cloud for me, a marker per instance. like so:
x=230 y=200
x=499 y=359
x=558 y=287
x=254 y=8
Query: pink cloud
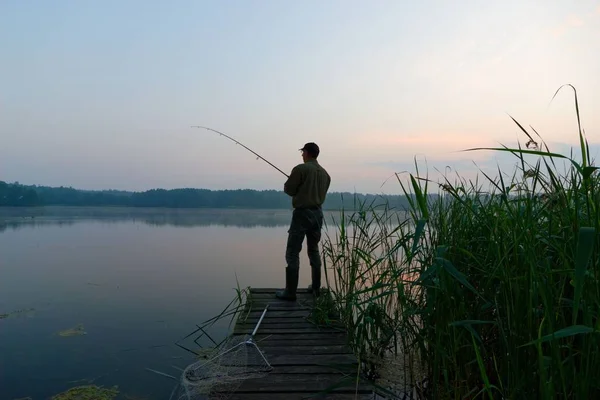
x=422 y=142
x=572 y=21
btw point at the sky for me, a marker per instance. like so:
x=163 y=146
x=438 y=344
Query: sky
x=102 y=95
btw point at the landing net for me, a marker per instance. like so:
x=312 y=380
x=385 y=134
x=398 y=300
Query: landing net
x=236 y=360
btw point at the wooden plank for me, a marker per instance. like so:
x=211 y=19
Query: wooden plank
x=293 y=337
x=273 y=290
x=273 y=320
x=309 y=359
x=281 y=307
x=285 y=320
x=255 y=298
x=319 y=349
x=248 y=329
x=307 y=383
x=338 y=341
x=260 y=304
x=285 y=325
x=294 y=370
x=271 y=295
x=292 y=325
x=279 y=314
x=301 y=396
x=313 y=369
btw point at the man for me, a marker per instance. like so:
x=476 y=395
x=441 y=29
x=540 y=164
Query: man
x=307 y=185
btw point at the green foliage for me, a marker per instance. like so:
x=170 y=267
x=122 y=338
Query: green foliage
x=490 y=290
x=16 y=195
x=322 y=312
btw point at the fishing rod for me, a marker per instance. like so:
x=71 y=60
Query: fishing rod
x=236 y=142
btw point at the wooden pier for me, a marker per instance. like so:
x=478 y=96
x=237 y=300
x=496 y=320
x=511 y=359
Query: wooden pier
x=307 y=358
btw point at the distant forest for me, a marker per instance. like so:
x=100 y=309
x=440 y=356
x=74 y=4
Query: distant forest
x=18 y=195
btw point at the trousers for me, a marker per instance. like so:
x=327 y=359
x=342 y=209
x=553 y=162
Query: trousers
x=305 y=223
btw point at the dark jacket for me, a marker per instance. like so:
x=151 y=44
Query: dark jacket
x=307 y=185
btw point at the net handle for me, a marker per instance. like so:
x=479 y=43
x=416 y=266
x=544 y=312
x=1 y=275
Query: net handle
x=259 y=321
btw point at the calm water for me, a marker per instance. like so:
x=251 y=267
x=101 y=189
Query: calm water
x=138 y=280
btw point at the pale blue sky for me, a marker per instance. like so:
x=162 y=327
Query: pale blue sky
x=101 y=94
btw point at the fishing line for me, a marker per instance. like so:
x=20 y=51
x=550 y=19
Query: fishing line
x=236 y=142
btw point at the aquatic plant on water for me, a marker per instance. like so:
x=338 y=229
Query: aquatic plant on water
x=28 y=312
x=88 y=392
x=76 y=331
x=483 y=289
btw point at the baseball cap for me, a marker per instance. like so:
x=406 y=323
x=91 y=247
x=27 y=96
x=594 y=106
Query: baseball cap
x=311 y=148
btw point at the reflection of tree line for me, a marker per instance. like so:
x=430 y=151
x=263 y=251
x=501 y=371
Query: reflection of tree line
x=251 y=220
x=157 y=221
x=18 y=224
x=67 y=216
x=228 y=219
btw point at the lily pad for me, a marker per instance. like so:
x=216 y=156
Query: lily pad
x=77 y=331
x=89 y=392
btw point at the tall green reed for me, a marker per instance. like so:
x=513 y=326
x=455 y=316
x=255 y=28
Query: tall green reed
x=490 y=289
x=366 y=276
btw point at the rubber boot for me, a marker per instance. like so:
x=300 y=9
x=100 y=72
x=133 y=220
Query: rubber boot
x=291 y=284
x=315 y=288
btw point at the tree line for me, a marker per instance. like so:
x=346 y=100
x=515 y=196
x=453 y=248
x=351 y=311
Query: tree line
x=18 y=195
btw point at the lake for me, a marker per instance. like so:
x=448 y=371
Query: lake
x=135 y=280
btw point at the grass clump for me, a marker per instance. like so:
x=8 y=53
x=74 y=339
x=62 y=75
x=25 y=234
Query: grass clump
x=482 y=290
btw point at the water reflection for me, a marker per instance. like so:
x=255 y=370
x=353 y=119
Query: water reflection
x=21 y=217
